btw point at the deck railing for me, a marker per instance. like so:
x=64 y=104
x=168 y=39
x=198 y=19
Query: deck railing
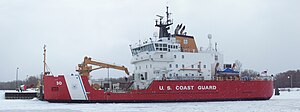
x=186 y=78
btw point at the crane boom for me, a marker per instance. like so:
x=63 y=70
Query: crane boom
x=84 y=68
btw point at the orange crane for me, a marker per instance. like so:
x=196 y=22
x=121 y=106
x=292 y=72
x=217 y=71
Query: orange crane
x=84 y=68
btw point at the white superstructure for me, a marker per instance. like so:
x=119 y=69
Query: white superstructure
x=173 y=57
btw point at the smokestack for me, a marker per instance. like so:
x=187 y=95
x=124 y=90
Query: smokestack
x=176 y=30
x=180 y=26
x=181 y=32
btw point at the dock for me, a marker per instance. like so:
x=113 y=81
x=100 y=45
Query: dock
x=14 y=94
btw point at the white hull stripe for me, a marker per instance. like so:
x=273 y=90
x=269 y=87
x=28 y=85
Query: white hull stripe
x=75 y=87
x=82 y=87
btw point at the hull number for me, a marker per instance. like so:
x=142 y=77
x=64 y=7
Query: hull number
x=58 y=83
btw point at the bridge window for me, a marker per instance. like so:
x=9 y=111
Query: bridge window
x=133 y=76
x=185 y=41
x=164 y=45
x=216 y=57
x=149 y=47
x=142 y=77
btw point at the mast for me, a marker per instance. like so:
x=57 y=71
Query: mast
x=44 y=72
x=164 y=26
x=209 y=36
x=168 y=15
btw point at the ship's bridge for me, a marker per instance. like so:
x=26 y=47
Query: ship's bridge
x=167 y=44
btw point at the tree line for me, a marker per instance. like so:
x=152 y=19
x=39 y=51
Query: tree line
x=288 y=79
x=31 y=81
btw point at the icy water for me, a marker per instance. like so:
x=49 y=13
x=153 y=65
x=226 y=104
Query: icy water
x=286 y=102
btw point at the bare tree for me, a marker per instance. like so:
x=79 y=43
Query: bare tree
x=250 y=73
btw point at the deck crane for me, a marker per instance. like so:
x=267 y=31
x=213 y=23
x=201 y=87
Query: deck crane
x=84 y=68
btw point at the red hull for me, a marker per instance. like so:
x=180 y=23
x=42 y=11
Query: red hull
x=165 y=91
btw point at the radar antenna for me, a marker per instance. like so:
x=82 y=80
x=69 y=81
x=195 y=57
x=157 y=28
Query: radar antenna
x=164 y=26
x=160 y=17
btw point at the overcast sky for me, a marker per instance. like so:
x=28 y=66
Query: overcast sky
x=262 y=34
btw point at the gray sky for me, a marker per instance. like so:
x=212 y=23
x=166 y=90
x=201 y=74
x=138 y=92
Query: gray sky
x=262 y=34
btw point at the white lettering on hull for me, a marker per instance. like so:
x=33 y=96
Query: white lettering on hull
x=184 y=87
x=188 y=88
x=161 y=87
x=207 y=87
x=169 y=88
